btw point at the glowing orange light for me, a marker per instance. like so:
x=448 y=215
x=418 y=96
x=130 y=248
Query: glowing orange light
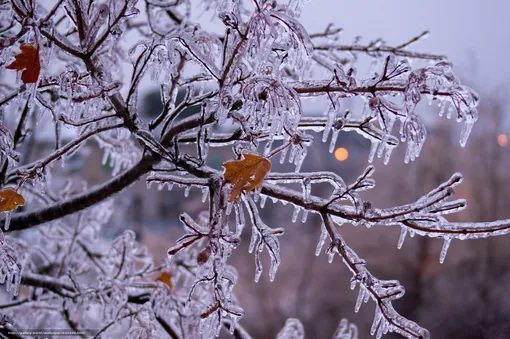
x=341 y=154
x=502 y=140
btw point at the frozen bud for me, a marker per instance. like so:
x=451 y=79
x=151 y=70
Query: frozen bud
x=374 y=103
x=229 y=19
x=339 y=124
x=103 y=11
x=204 y=255
x=268 y=70
x=232 y=239
x=263 y=95
x=210 y=310
x=237 y=105
x=296 y=139
x=226 y=100
x=450 y=192
x=248 y=137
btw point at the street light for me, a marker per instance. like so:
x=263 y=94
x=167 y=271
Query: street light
x=502 y=140
x=341 y=154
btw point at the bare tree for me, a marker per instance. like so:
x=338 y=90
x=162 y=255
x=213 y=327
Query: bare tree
x=247 y=86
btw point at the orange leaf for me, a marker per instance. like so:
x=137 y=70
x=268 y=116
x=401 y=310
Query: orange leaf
x=27 y=61
x=164 y=277
x=247 y=173
x=10 y=200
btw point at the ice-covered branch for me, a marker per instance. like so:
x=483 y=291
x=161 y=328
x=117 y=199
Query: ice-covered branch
x=382 y=292
x=378 y=48
x=30 y=170
x=98 y=194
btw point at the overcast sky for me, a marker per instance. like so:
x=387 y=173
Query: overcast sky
x=464 y=30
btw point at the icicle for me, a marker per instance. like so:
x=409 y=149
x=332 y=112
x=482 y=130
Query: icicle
x=283 y=155
x=300 y=158
x=293 y=329
x=307 y=189
x=169 y=186
x=373 y=148
x=382 y=329
x=353 y=284
x=304 y=216
x=205 y=193
x=7 y=219
x=202 y=146
x=253 y=239
x=295 y=214
x=331 y=256
x=387 y=155
x=367 y=297
x=334 y=137
x=377 y=320
x=325 y=134
x=263 y=199
x=228 y=210
x=403 y=233
x=361 y=297
x=382 y=147
x=272 y=270
x=292 y=154
x=169 y=258
x=256 y=195
x=345 y=330
x=322 y=240
x=469 y=121
x=331 y=115
x=240 y=222
x=444 y=250
x=258 y=273
x=442 y=107
x=232 y=327
x=186 y=191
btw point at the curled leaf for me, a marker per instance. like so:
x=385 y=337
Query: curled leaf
x=165 y=278
x=27 y=62
x=246 y=173
x=10 y=200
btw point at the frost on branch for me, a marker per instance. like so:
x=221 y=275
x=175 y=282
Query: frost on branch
x=292 y=329
x=11 y=265
x=211 y=242
x=346 y=330
x=382 y=292
x=262 y=237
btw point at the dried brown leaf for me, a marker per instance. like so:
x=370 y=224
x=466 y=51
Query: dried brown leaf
x=165 y=278
x=247 y=173
x=10 y=200
x=27 y=62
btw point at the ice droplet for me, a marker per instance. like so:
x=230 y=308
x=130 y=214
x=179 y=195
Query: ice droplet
x=444 y=250
x=334 y=137
x=403 y=233
x=322 y=240
x=361 y=297
x=295 y=214
x=373 y=148
x=304 y=216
